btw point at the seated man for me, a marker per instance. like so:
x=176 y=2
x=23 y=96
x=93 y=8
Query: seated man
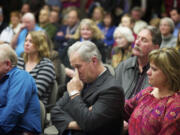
x=19 y=103
x=93 y=103
x=131 y=73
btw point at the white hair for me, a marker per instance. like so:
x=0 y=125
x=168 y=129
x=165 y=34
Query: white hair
x=169 y=21
x=125 y=31
x=86 y=50
x=29 y=16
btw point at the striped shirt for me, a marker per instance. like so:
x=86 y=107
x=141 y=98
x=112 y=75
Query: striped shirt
x=44 y=75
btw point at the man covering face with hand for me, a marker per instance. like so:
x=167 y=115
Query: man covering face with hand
x=93 y=103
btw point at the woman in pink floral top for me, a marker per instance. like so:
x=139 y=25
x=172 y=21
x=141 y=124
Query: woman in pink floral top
x=156 y=110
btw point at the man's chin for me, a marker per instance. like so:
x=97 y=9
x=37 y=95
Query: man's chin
x=135 y=52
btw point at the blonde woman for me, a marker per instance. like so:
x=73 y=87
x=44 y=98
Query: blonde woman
x=36 y=61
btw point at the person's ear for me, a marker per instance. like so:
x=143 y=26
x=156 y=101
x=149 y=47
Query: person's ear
x=94 y=60
x=8 y=63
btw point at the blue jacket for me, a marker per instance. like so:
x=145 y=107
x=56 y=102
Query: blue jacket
x=108 y=40
x=19 y=103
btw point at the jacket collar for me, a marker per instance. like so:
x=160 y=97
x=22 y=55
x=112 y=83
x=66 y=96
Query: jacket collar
x=6 y=76
x=91 y=88
x=132 y=63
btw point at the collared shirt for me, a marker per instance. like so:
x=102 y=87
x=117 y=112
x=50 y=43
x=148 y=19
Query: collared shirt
x=19 y=103
x=141 y=78
x=86 y=85
x=127 y=73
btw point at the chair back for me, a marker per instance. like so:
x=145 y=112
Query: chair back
x=53 y=96
x=43 y=115
x=54 y=93
x=62 y=74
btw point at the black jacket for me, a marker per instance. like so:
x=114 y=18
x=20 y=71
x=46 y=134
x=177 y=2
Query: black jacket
x=106 y=117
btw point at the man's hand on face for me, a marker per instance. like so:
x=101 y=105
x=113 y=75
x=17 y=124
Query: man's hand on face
x=22 y=26
x=75 y=83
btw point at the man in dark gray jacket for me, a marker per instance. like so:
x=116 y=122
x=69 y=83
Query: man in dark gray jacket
x=94 y=101
x=131 y=73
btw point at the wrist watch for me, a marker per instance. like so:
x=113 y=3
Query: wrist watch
x=73 y=92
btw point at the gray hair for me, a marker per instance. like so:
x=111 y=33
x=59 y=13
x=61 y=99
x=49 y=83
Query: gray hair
x=169 y=21
x=86 y=50
x=155 y=33
x=7 y=53
x=125 y=32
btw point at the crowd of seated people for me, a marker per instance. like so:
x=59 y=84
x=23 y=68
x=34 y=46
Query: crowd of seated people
x=41 y=33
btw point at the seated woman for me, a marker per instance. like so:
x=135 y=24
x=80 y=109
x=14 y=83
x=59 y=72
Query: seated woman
x=156 y=110
x=166 y=28
x=36 y=61
x=122 y=49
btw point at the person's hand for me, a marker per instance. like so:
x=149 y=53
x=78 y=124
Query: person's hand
x=68 y=36
x=60 y=34
x=73 y=125
x=90 y=108
x=22 y=26
x=75 y=83
x=125 y=125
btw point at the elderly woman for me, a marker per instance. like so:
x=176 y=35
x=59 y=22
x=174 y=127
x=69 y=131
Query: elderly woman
x=124 y=38
x=156 y=110
x=36 y=61
x=166 y=28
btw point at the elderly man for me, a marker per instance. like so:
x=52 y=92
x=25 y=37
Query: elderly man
x=131 y=73
x=19 y=103
x=28 y=24
x=93 y=103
